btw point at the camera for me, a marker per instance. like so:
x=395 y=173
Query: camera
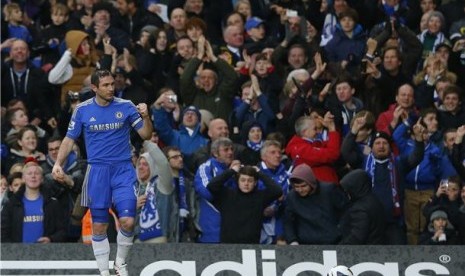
x=444 y=183
x=291 y=13
x=173 y=98
x=73 y=96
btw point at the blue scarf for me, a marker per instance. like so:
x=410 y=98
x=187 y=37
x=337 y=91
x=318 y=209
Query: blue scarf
x=149 y=222
x=254 y=146
x=273 y=226
x=392 y=11
x=180 y=186
x=370 y=169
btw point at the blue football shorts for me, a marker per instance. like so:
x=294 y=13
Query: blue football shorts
x=105 y=184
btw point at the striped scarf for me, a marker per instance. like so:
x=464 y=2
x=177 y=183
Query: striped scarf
x=254 y=146
x=370 y=169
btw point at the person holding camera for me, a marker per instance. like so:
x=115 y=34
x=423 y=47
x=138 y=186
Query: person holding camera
x=187 y=137
x=420 y=182
x=447 y=198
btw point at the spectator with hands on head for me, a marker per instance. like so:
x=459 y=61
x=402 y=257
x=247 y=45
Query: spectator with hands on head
x=241 y=207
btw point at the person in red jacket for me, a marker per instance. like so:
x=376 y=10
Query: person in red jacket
x=305 y=147
x=403 y=108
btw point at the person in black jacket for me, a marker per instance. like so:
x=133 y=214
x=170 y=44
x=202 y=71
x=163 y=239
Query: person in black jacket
x=22 y=81
x=31 y=216
x=364 y=221
x=312 y=209
x=439 y=231
x=242 y=208
x=132 y=18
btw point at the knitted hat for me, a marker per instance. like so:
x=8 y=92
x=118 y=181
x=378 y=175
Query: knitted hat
x=438 y=214
x=435 y=215
x=246 y=127
x=151 y=29
x=383 y=135
x=194 y=109
x=303 y=172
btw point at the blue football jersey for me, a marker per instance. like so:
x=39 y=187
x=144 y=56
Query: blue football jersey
x=106 y=129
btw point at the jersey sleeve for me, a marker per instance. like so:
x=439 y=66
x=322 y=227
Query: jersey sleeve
x=135 y=119
x=75 y=124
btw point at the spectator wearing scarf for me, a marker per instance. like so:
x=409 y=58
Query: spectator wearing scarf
x=184 y=197
x=272 y=166
x=208 y=218
x=384 y=171
x=252 y=139
x=155 y=200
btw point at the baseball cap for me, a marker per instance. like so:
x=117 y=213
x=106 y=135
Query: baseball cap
x=253 y=22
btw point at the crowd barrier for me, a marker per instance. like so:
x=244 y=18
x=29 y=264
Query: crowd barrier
x=244 y=260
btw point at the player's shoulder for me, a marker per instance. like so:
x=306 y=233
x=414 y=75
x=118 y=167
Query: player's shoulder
x=121 y=101
x=85 y=103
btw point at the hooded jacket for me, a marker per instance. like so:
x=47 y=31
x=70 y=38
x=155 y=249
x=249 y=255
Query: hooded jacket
x=73 y=68
x=364 y=220
x=161 y=180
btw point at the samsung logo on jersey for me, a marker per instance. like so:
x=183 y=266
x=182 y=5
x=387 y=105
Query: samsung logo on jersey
x=103 y=127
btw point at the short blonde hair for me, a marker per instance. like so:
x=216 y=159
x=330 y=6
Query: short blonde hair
x=9 y=8
x=32 y=164
x=60 y=9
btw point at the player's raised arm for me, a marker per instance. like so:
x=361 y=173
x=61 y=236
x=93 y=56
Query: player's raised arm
x=146 y=130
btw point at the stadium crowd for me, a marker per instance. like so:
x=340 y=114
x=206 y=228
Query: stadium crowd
x=275 y=121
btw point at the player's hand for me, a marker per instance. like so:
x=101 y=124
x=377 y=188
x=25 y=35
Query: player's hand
x=57 y=173
x=143 y=110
